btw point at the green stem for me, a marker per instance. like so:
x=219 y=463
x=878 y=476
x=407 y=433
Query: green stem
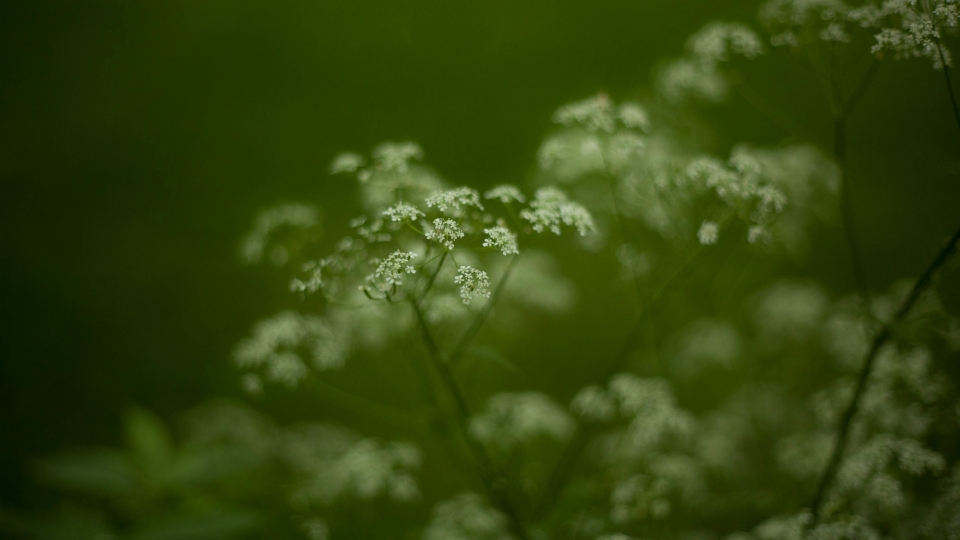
x=578 y=442
x=433 y=276
x=881 y=338
x=493 y=479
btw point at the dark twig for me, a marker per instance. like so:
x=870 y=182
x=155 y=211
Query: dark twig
x=882 y=336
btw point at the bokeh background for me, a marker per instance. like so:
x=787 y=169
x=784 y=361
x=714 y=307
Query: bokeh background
x=139 y=139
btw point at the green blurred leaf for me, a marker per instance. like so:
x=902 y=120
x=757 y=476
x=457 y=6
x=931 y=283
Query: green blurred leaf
x=150 y=441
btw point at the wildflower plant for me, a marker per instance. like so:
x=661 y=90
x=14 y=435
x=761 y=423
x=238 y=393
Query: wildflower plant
x=640 y=450
x=762 y=405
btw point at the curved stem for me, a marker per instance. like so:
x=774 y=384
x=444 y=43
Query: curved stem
x=846 y=208
x=881 y=338
x=433 y=276
x=577 y=443
x=493 y=479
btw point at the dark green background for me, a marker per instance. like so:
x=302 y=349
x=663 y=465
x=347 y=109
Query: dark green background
x=138 y=139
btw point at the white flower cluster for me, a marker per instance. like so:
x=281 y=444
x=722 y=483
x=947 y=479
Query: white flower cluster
x=698 y=75
x=905 y=28
x=744 y=185
x=366 y=470
x=347 y=162
x=511 y=419
x=403 y=212
x=390 y=272
x=505 y=194
x=445 y=231
x=501 y=238
x=268 y=222
x=709 y=232
x=550 y=209
x=649 y=403
x=473 y=283
x=392 y=176
x=396 y=157
x=275 y=343
x=600 y=138
x=911 y=29
x=795 y=23
x=314 y=278
x=599 y=114
x=332 y=464
x=454 y=202
x=466 y=517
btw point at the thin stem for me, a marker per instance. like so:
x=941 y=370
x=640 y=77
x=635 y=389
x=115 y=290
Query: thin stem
x=885 y=332
x=493 y=479
x=481 y=318
x=842 y=111
x=946 y=77
x=861 y=89
x=618 y=216
x=578 y=442
x=433 y=276
x=846 y=208
x=882 y=336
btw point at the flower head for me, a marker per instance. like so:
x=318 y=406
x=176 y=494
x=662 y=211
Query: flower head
x=505 y=193
x=551 y=208
x=454 y=202
x=392 y=268
x=473 y=283
x=403 y=212
x=445 y=231
x=502 y=239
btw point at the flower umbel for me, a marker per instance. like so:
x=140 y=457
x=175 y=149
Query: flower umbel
x=502 y=239
x=550 y=208
x=403 y=212
x=473 y=283
x=392 y=268
x=445 y=231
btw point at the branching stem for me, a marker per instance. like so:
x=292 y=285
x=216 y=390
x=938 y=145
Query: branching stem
x=881 y=338
x=494 y=480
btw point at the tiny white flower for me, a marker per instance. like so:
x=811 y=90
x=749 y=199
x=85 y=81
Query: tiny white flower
x=453 y=202
x=505 y=193
x=502 y=239
x=392 y=268
x=396 y=157
x=473 y=283
x=550 y=209
x=709 y=233
x=757 y=233
x=633 y=116
x=403 y=212
x=445 y=231
x=346 y=163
